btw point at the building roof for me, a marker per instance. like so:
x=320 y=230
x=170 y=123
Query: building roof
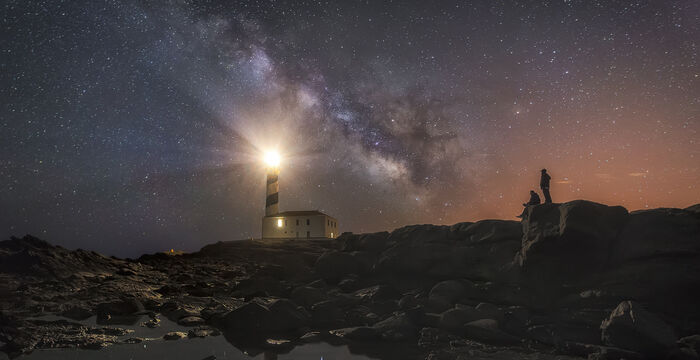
x=299 y=213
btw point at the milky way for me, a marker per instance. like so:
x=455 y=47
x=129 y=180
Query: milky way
x=130 y=127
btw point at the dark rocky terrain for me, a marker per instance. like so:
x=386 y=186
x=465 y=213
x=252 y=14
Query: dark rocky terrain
x=573 y=280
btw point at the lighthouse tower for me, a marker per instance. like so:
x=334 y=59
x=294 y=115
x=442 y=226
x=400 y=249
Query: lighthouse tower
x=272 y=201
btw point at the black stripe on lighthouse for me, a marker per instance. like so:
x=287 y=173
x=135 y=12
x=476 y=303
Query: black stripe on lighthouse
x=272 y=199
x=271 y=179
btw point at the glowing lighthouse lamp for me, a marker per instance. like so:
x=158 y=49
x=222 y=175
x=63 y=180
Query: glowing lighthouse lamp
x=272 y=159
x=291 y=224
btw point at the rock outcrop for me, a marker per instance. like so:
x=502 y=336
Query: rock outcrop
x=471 y=250
x=631 y=327
x=574 y=238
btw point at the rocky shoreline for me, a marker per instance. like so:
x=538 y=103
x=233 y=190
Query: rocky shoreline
x=572 y=280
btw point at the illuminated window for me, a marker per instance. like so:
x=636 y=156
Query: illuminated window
x=279 y=223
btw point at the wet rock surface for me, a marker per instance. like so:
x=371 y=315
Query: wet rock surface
x=574 y=280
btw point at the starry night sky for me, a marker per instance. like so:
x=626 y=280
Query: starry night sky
x=130 y=126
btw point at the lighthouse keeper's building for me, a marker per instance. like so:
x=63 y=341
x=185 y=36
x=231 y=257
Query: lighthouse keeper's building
x=299 y=225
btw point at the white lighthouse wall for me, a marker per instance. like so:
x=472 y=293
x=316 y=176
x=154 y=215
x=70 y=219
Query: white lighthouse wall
x=293 y=227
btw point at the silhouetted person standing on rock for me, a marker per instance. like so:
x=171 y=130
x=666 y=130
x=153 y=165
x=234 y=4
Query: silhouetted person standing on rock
x=544 y=185
x=534 y=200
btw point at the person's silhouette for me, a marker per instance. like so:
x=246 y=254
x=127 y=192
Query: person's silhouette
x=534 y=200
x=544 y=185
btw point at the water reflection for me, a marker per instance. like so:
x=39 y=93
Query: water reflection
x=210 y=348
x=194 y=349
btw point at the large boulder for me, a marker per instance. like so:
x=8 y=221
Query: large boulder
x=632 y=327
x=490 y=311
x=248 y=319
x=656 y=259
x=191 y=321
x=571 y=239
x=123 y=311
x=482 y=250
x=175 y=310
x=665 y=283
x=327 y=314
x=336 y=265
x=454 y=319
x=372 y=242
x=398 y=327
x=658 y=232
x=558 y=334
x=446 y=293
x=255 y=319
x=492 y=231
x=76 y=312
x=307 y=296
x=487 y=331
x=416 y=249
x=472 y=250
x=286 y=315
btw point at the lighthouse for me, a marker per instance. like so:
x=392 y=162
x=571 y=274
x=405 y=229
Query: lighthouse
x=304 y=224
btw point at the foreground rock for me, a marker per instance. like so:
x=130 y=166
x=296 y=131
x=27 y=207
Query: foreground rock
x=631 y=327
x=579 y=280
x=260 y=320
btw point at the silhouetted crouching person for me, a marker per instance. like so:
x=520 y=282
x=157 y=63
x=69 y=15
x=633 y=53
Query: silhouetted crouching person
x=534 y=200
x=544 y=185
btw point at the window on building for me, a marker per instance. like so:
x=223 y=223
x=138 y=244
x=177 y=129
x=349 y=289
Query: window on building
x=308 y=222
x=308 y=233
x=279 y=222
x=285 y=223
x=297 y=222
